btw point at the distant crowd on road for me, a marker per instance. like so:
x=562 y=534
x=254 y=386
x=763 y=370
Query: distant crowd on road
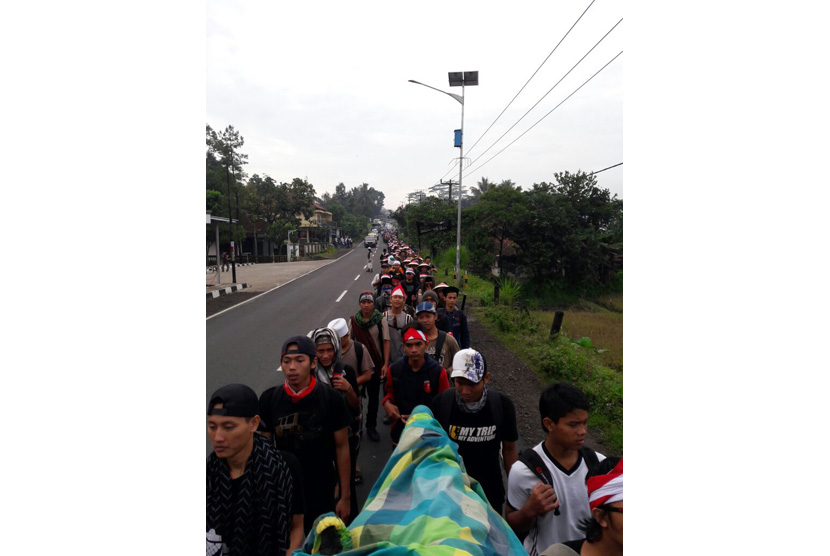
x=286 y=456
x=343 y=242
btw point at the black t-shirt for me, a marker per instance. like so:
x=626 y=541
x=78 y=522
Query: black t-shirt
x=479 y=440
x=306 y=429
x=298 y=503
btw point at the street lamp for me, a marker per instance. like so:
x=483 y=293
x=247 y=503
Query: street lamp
x=458 y=79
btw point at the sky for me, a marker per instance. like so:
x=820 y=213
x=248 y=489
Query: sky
x=320 y=90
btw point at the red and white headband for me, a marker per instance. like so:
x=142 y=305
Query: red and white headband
x=606 y=489
x=414 y=334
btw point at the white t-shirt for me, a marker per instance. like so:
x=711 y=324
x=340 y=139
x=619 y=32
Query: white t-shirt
x=571 y=491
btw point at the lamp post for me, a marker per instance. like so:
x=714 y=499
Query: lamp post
x=458 y=79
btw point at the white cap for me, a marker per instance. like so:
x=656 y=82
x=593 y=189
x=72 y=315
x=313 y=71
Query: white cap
x=469 y=364
x=339 y=326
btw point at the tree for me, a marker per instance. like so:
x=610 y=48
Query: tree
x=482 y=187
x=570 y=232
x=499 y=216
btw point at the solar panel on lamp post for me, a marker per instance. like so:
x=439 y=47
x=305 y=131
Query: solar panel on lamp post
x=458 y=79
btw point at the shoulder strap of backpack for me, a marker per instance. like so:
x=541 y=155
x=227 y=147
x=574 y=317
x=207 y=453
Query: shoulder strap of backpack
x=358 y=351
x=590 y=457
x=446 y=408
x=496 y=408
x=534 y=462
x=439 y=346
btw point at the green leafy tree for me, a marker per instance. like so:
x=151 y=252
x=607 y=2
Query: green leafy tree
x=569 y=238
x=497 y=218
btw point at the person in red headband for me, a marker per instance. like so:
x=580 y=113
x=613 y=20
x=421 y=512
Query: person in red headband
x=604 y=529
x=414 y=380
x=311 y=420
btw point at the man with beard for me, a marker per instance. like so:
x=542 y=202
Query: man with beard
x=310 y=420
x=370 y=328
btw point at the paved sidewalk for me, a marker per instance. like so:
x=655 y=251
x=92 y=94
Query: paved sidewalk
x=261 y=277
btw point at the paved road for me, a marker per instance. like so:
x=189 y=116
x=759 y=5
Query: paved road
x=243 y=342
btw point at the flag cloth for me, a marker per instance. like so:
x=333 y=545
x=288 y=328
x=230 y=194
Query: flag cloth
x=422 y=503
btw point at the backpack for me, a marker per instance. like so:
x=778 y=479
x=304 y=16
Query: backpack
x=358 y=351
x=439 y=346
x=534 y=462
x=434 y=377
x=495 y=408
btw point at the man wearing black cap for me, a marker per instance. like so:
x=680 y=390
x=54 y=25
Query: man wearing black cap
x=251 y=495
x=442 y=346
x=311 y=420
x=456 y=318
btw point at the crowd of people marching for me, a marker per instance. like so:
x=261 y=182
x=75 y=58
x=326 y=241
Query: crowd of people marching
x=283 y=458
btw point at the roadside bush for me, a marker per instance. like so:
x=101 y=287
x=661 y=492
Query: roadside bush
x=509 y=289
x=563 y=359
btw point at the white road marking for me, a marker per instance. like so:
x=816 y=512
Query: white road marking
x=341 y=296
x=357 y=277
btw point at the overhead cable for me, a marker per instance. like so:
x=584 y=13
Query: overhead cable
x=546 y=94
x=540 y=100
x=531 y=77
x=546 y=115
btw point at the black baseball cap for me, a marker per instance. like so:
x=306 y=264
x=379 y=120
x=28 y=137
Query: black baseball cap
x=238 y=400
x=305 y=345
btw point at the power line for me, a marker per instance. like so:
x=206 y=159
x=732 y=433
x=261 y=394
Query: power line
x=545 y=116
x=531 y=77
x=604 y=169
x=549 y=91
x=541 y=99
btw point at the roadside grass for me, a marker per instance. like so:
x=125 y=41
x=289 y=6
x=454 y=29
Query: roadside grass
x=604 y=328
x=328 y=253
x=612 y=302
x=561 y=358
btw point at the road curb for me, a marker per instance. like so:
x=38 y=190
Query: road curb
x=211 y=269
x=225 y=291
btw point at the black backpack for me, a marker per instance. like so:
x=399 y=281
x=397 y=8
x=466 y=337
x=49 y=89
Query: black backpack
x=434 y=374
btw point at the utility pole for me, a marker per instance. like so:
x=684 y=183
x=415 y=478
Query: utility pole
x=230 y=219
x=449 y=183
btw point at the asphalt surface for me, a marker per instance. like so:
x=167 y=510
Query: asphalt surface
x=244 y=340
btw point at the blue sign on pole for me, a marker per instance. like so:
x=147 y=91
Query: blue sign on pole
x=457 y=138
